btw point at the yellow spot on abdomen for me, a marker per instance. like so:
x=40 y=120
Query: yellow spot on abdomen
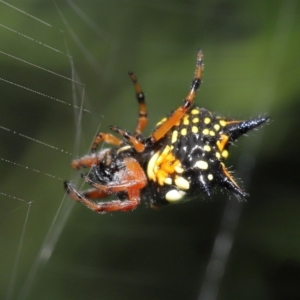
x=182 y=183
x=225 y=153
x=168 y=180
x=183 y=131
x=174 y=136
x=201 y=164
x=207 y=120
x=186 y=120
x=174 y=195
x=178 y=169
x=205 y=131
x=207 y=148
x=195 y=129
x=222 y=123
x=217 y=127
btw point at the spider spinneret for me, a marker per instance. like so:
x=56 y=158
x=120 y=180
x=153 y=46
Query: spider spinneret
x=182 y=158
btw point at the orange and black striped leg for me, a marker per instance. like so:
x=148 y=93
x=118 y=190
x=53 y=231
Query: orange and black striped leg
x=161 y=131
x=107 y=138
x=140 y=96
x=138 y=145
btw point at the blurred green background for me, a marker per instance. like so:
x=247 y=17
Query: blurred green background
x=55 y=249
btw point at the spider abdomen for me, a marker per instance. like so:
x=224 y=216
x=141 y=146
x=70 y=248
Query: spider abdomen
x=191 y=159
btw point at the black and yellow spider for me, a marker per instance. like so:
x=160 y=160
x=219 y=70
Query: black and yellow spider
x=182 y=158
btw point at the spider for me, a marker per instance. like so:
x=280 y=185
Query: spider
x=182 y=158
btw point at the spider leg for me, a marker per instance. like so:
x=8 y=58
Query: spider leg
x=140 y=96
x=138 y=145
x=107 y=138
x=88 y=194
x=161 y=131
x=129 y=204
x=88 y=161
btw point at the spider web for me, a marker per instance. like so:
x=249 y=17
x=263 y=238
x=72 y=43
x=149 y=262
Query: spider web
x=63 y=78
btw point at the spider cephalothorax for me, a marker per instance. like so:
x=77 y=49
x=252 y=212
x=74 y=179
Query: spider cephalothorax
x=182 y=158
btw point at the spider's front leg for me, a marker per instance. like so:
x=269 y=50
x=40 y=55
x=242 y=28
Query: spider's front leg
x=88 y=161
x=88 y=194
x=106 y=138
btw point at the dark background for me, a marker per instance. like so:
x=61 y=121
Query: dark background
x=252 y=68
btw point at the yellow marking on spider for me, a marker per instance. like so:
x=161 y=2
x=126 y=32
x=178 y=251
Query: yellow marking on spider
x=161 y=175
x=207 y=120
x=174 y=195
x=195 y=120
x=207 y=148
x=212 y=133
x=168 y=181
x=195 y=129
x=217 y=127
x=186 y=120
x=210 y=176
x=163 y=155
x=161 y=121
x=179 y=169
x=205 y=131
x=126 y=147
x=151 y=165
x=218 y=155
x=195 y=112
x=183 y=131
x=182 y=183
x=162 y=165
x=222 y=123
x=225 y=153
x=222 y=142
x=201 y=164
x=174 y=136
